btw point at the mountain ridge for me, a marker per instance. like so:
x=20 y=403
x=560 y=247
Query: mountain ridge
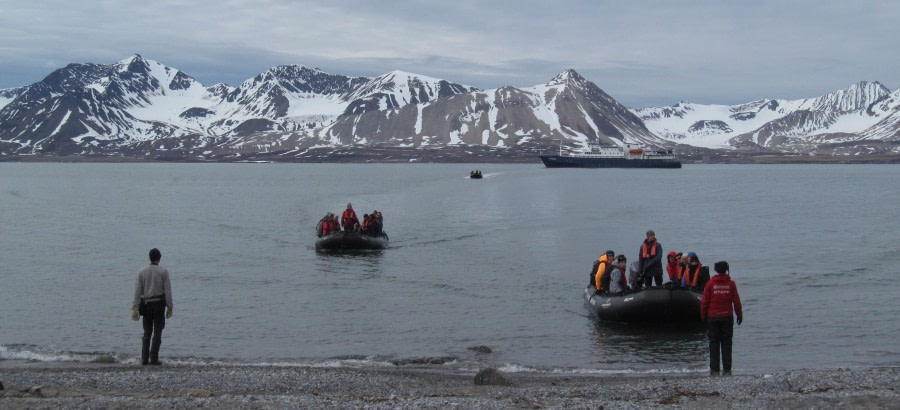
x=140 y=108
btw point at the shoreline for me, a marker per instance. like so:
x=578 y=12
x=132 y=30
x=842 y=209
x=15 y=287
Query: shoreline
x=423 y=158
x=83 y=385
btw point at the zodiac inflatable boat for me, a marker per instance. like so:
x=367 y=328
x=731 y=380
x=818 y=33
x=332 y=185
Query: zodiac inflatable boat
x=653 y=305
x=351 y=241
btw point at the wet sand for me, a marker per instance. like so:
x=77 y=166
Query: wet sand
x=117 y=386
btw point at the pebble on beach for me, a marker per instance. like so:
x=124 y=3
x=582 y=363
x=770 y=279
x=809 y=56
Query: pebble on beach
x=490 y=377
x=237 y=386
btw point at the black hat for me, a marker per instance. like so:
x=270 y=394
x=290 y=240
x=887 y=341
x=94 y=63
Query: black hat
x=610 y=253
x=621 y=258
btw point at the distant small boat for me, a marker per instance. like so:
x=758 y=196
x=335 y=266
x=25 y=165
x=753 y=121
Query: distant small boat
x=475 y=174
x=351 y=241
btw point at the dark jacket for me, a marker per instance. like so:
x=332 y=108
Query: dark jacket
x=651 y=266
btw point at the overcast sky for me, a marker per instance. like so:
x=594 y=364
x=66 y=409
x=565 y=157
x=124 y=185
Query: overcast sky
x=643 y=53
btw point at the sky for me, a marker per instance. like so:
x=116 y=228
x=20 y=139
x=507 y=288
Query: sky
x=642 y=53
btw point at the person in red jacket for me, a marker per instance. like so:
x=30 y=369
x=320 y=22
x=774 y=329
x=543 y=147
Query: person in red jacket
x=672 y=267
x=349 y=219
x=718 y=306
x=327 y=225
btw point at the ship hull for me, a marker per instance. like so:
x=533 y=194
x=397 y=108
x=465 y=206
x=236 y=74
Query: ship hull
x=556 y=161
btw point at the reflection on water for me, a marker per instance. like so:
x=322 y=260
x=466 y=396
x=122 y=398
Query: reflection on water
x=634 y=345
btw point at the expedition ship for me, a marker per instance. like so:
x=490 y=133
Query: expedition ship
x=612 y=156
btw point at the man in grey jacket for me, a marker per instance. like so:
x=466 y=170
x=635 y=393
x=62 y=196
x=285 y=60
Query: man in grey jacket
x=153 y=295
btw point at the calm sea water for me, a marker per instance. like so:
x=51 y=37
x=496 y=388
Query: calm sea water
x=499 y=262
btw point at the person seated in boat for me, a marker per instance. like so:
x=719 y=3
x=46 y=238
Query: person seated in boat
x=693 y=274
x=375 y=224
x=684 y=260
x=614 y=279
x=328 y=224
x=672 y=268
x=364 y=226
x=599 y=269
x=349 y=220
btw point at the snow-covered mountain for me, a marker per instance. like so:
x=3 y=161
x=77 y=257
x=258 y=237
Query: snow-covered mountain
x=863 y=118
x=568 y=109
x=142 y=108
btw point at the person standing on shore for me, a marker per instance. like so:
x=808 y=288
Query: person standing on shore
x=718 y=306
x=153 y=300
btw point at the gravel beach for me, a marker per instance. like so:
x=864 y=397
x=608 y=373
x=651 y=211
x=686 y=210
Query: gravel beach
x=115 y=386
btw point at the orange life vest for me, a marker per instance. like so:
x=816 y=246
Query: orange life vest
x=601 y=268
x=651 y=254
x=689 y=279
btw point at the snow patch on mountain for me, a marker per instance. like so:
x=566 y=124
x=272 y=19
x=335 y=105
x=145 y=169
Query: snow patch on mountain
x=9 y=94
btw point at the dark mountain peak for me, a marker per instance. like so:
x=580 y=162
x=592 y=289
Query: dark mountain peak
x=219 y=90
x=568 y=77
x=135 y=64
x=300 y=79
x=291 y=72
x=73 y=76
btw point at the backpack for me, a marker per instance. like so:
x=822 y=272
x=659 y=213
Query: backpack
x=704 y=277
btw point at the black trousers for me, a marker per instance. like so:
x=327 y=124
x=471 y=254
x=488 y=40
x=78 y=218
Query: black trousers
x=653 y=277
x=650 y=276
x=720 y=330
x=154 y=322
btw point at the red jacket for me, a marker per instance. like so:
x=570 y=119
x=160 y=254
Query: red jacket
x=329 y=226
x=719 y=295
x=672 y=267
x=348 y=219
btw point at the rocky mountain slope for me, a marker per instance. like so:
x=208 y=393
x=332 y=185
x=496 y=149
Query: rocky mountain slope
x=142 y=109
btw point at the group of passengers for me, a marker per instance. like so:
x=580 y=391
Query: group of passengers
x=608 y=275
x=372 y=224
x=718 y=305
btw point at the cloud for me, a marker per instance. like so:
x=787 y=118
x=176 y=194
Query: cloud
x=642 y=53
